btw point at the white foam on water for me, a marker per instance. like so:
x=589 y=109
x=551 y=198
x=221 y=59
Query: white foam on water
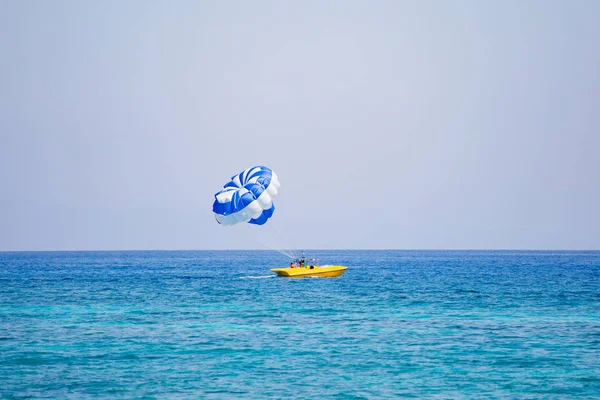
x=258 y=277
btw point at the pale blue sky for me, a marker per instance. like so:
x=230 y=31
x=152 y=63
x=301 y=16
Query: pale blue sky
x=391 y=124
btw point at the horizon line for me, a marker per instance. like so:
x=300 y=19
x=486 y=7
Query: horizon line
x=306 y=249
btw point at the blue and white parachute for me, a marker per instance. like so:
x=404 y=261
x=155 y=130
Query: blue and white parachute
x=248 y=197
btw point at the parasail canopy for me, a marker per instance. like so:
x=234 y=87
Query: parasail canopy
x=248 y=197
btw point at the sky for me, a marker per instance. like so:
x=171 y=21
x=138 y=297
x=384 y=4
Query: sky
x=391 y=124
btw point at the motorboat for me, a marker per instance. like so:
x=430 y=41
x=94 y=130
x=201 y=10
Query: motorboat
x=323 y=271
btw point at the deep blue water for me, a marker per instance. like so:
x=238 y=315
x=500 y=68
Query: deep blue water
x=218 y=324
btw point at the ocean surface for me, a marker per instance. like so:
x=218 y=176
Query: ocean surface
x=219 y=324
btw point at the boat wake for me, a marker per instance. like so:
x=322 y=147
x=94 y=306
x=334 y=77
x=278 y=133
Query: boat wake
x=258 y=277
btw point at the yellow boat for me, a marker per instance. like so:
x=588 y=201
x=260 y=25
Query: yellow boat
x=325 y=271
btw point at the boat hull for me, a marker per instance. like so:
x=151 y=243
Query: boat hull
x=324 y=271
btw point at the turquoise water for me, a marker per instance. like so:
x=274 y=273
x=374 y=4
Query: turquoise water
x=397 y=324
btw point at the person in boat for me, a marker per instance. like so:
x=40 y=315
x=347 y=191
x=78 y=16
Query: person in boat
x=303 y=262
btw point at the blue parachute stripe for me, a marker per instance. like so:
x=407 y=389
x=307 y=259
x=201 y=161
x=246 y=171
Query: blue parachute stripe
x=239 y=202
x=221 y=208
x=264 y=181
x=234 y=203
x=255 y=189
x=258 y=173
x=246 y=199
x=262 y=218
x=269 y=212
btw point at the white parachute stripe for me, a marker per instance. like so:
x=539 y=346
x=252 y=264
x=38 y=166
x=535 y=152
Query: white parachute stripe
x=272 y=191
x=225 y=197
x=236 y=180
x=225 y=219
x=241 y=216
x=251 y=171
x=254 y=209
x=275 y=182
x=265 y=200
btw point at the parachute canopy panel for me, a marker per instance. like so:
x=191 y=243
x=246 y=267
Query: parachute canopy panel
x=248 y=197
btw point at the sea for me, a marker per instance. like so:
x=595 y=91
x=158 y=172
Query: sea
x=220 y=325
